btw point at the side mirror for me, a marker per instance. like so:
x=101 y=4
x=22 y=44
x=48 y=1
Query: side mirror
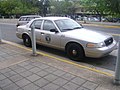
x=81 y=26
x=53 y=30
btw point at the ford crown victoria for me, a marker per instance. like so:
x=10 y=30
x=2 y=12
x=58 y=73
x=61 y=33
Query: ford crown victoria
x=66 y=34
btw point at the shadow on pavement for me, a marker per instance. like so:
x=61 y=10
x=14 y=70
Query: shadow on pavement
x=107 y=62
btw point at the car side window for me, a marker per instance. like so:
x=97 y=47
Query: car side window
x=30 y=18
x=48 y=25
x=23 y=19
x=37 y=24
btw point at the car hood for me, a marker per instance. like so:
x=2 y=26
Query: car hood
x=87 y=35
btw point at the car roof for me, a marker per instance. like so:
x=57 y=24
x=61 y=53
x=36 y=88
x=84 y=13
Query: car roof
x=52 y=18
x=31 y=16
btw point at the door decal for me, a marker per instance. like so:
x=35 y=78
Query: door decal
x=48 y=38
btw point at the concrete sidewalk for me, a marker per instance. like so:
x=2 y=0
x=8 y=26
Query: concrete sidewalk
x=19 y=70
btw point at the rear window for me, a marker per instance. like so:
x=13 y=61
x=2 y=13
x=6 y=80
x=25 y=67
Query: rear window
x=23 y=19
x=27 y=18
x=30 y=18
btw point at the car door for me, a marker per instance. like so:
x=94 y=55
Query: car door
x=50 y=38
x=37 y=25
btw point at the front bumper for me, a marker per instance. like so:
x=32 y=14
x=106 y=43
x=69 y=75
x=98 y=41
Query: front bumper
x=100 y=52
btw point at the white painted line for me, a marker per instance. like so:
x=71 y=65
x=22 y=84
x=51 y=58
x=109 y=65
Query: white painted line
x=8 y=23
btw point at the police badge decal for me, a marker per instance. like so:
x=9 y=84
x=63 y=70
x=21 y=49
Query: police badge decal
x=48 y=38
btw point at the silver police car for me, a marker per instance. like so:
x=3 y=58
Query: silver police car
x=66 y=34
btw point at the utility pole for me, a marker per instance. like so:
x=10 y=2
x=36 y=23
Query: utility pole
x=44 y=8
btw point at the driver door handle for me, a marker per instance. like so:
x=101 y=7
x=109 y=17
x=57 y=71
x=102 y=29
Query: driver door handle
x=42 y=33
x=29 y=31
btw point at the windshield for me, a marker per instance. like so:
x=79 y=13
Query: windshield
x=67 y=25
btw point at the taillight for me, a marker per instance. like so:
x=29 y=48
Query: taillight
x=17 y=25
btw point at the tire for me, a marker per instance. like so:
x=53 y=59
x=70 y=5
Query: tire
x=75 y=51
x=27 y=41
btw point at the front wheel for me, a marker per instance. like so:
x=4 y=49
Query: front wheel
x=27 y=41
x=75 y=51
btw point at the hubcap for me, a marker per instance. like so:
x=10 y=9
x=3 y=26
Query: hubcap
x=74 y=52
x=26 y=40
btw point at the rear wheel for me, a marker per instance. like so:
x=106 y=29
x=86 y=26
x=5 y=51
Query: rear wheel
x=26 y=40
x=75 y=51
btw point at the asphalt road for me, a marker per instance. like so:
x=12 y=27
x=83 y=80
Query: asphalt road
x=8 y=33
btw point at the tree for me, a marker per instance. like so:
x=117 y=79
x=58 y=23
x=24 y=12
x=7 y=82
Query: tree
x=113 y=7
x=62 y=7
x=15 y=7
x=102 y=7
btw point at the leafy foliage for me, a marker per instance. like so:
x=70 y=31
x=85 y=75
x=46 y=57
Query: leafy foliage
x=16 y=7
x=11 y=7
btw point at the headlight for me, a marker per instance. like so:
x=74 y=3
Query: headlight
x=96 y=45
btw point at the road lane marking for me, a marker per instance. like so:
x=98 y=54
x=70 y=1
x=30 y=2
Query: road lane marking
x=114 y=34
x=106 y=26
x=7 y=24
x=59 y=59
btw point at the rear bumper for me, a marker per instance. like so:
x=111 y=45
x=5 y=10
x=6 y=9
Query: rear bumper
x=100 y=52
x=18 y=35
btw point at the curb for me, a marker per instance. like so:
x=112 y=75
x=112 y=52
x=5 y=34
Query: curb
x=63 y=60
x=102 y=25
